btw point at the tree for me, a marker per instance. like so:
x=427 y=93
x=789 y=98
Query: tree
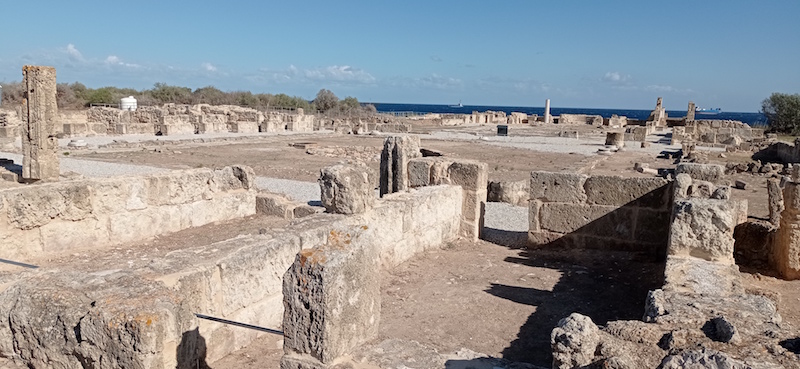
x=783 y=112
x=325 y=100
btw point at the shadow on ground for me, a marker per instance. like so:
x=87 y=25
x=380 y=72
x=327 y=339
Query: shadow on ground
x=603 y=285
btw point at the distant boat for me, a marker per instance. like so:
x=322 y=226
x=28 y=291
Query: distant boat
x=707 y=111
x=457 y=106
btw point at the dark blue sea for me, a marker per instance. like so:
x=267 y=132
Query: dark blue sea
x=749 y=118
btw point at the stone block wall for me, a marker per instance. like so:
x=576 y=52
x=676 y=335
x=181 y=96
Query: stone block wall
x=718 y=133
x=580 y=119
x=606 y=212
x=97 y=213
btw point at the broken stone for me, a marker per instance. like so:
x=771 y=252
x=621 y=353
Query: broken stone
x=740 y=185
x=724 y=331
x=703 y=228
x=397 y=151
x=345 y=189
x=700 y=359
x=574 y=341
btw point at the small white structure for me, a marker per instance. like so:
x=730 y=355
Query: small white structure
x=127 y=103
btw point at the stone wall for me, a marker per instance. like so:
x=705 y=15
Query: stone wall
x=718 y=133
x=607 y=212
x=580 y=119
x=144 y=311
x=97 y=213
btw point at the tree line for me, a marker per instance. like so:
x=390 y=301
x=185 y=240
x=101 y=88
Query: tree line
x=76 y=96
x=783 y=112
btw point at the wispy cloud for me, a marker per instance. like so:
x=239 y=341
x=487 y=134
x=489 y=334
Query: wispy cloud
x=339 y=73
x=436 y=58
x=334 y=74
x=114 y=60
x=209 y=67
x=616 y=77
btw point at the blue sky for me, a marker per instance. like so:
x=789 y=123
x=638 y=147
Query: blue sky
x=593 y=54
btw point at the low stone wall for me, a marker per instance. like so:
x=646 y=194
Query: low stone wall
x=606 y=212
x=123 y=312
x=580 y=119
x=97 y=213
x=718 y=133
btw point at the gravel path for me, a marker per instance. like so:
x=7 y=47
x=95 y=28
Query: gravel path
x=91 y=168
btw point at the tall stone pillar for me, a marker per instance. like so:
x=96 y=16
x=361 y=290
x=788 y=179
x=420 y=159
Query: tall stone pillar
x=397 y=151
x=787 y=241
x=39 y=144
x=690 y=112
x=547 y=111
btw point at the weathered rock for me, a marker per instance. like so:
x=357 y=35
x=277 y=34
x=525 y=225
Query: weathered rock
x=514 y=193
x=397 y=151
x=721 y=193
x=39 y=143
x=775 y=198
x=332 y=300
x=700 y=359
x=345 y=189
x=724 y=331
x=615 y=138
x=272 y=204
x=654 y=305
x=704 y=229
x=574 y=341
x=740 y=185
x=705 y=172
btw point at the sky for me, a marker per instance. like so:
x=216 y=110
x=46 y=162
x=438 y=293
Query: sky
x=583 y=54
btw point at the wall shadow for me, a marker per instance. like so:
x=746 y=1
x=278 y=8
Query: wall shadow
x=607 y=267
x=191 y=352
x=502 y=237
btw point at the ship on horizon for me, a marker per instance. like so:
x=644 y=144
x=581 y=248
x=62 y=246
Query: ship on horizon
x=459 y=105
x=707 y=111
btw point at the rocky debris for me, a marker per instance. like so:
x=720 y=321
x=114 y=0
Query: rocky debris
x=279 y=205
x=722 y=330
x=574 y=341
x=705 y=172
x=515 y=192
x=740 y=185
x=700 y=359
x=346 y=189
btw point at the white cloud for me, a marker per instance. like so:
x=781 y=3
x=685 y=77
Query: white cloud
x=339 y=73
x=209 y=67
x=115 y=60
x=73 y=52
x=616 y=77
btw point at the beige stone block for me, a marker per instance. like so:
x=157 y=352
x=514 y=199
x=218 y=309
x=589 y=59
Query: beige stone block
x=567 y=218
x=713 y=173
x=471 y=175
x=538 y=239
x=474 y=205
x=419 y=172
x=274 y=205
x=18 y=245
x=615 y=190
x=534 y=208
x=558 y=187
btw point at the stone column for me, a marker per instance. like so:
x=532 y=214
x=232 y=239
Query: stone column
x=690 y=112
x=39 y=144
x=547 y=111
x=787 y=241
x=615 y=138
x=775 y=196
x=397 y=151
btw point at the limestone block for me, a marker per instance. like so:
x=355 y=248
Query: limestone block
x=31 y=207
x=542 y=238
x=574 y=342
x=276 y=205
x=474 y=204
x=331 y=299
x=787 y=241
x=397 y=151
x=419 y=171
x=713 y=173
x=514 y=193
x=703 y=228
x=615 y=190
x=681 y=185
x=244 y=127
x=62 y=236
x=775 y=195
x=304 y=210
x=534 y=208
x=40 y=116
x=233 y=178
x=615 y=138
x=558 y=187
x=470 y=175
x=179 y=187
x=652 y=226
x=346 y=189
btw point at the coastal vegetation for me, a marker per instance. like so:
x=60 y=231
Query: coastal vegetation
x=76 y=95
x=782 y=112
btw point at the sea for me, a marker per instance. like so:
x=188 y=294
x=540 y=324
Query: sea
x=753 y=119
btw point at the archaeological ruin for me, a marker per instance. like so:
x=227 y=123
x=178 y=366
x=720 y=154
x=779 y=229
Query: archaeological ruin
x=182 y=236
